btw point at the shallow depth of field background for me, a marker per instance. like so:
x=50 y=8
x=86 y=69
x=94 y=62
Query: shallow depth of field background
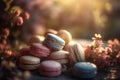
x=83 y=18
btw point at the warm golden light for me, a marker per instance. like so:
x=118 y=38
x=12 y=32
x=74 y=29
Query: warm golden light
x=66 y=2
x=108 y=7
x=83 y=11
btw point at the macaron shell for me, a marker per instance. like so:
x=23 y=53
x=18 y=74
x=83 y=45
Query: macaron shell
x=38 y=50
x=72 y=57
x=38 y=54
x=54 y=42
x=79 y=52
x=34 y=39
x=84 y=75
x=50 y=65
x=50 y=74
x=85 y=70
x=59 y=55
x=65 y=35
x=29 y=60
x=86 y=66
x=56 y=39
x=38 y=46
x=25 y=51
x=66 y=47
x=29 y=67
x=50 y=68
x=53 y=46
x=76 y=53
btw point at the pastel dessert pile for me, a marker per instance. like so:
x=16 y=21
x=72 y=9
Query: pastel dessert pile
x=49 y=55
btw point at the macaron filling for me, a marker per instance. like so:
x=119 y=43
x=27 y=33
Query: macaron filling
x=29 y=62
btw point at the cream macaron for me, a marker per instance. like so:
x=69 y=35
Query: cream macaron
x=59 y=56
x=29 y=62
x=76 y=53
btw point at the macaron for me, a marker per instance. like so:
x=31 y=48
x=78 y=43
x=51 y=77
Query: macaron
x=38 y=50
x=51 y=31
x=22 y=52
x=65 y=35
x=50 y=68
x=76 y=53
x=35 y=39
x=59 y=56
x=85 y=70
x=25 y=51
x=29 y=62
x=54 y=42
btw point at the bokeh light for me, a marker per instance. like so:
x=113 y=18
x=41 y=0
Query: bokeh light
x=83 y=18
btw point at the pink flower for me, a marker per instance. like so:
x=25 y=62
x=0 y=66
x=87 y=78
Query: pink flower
x=8 y=53
x=116 y=42
x=6 y=31
x=118 y=55
x=103 y=60
x=4 y=42
x=87 y=51
x=26 y=15
x=17 y=13
x=19 y=21
x=108 y=50
x=1 y=47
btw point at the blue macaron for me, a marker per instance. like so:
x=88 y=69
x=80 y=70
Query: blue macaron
x=84 y=70
x=54 y=42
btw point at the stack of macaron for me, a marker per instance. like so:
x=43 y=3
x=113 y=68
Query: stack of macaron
x=57 y=43
x=50 y=54
x=31 y=56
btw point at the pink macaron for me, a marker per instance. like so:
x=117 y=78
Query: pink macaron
x=22 y=52
x=50 y=68
x=38 y=50
x=25 y=51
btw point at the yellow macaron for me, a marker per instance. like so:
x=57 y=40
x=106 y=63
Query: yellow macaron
x=65 y=35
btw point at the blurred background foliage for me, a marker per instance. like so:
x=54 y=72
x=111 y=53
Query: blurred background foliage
x=83 y=18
